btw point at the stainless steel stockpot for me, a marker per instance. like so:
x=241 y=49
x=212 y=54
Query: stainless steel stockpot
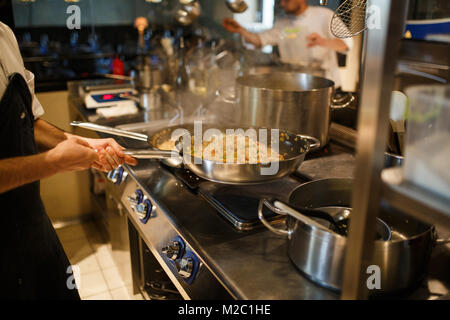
x=296 y=102
x=319 y=254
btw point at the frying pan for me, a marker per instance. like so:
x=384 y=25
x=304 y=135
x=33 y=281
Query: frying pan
x=293 y=147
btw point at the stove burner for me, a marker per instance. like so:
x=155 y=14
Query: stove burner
x=239 y=204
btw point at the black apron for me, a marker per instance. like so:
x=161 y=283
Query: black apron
x=33 y=264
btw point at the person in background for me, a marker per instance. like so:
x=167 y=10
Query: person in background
x=303 y=37
x=33 y=264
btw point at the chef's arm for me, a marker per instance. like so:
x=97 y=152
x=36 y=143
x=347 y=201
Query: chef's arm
x=48 y=136
x=71 y=155
x=314 y=39
x=252 y=38
x=110 y=152
x=336 y=45
x=232 y=26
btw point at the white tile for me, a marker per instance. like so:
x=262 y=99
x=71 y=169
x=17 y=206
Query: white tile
x=125 y=272
x=92 y=284
x=104 y=257
x=120 y=293
x=113 y=278
x=88 y=264
x=101 y=296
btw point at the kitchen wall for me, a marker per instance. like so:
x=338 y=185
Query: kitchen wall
x=113 y=12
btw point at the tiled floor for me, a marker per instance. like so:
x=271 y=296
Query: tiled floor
x=99 y=277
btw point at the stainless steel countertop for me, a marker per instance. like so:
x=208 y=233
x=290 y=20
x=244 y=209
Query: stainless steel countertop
x=252 y=264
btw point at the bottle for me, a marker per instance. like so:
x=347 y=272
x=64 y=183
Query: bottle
x=182 y=79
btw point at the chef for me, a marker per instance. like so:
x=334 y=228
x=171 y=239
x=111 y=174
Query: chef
x=303 y=37
x=33 y=264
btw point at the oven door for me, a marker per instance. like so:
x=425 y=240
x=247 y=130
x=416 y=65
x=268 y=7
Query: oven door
x=119 y=238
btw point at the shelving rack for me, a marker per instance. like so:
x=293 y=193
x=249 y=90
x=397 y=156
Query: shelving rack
x=380 y=52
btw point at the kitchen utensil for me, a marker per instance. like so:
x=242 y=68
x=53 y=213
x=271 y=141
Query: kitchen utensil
x=237 y=6
x=293 y=146
x=399 y=103
x=188 y=13
x=295 y=102
x=402 y=260
x=349 y=19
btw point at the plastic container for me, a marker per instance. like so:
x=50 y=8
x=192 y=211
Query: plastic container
x=427 y=148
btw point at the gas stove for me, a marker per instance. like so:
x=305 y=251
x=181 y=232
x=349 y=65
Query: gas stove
x=200 y=232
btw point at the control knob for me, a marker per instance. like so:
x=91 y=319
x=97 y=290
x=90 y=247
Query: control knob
x=185 y=267
x=172 y=251
x=143 y=209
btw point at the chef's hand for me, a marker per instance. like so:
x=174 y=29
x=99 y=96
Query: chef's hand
x=73 y=154
x=231 y=25
x=110 y=154
x=316 y=39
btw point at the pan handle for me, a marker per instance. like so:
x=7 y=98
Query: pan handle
x=110 y=130
x=153 y=154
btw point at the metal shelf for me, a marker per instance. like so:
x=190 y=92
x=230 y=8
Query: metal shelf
x=414 y=200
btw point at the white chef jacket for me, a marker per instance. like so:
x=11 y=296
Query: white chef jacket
x=11 y=62
x=290 y=34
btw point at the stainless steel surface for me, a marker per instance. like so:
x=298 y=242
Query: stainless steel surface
x=402 y=260
x=381 y=48
x=118 y=232
x=222 y=250
x=418 y=202
x=237 y=6
x=296 y=102
x=349 y=19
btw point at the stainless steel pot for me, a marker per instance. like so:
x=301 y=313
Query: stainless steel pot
x=319 y=253
x=296 y=102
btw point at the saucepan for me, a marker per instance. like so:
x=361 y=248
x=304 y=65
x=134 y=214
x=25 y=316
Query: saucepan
x=166 y=145
x=318 y=251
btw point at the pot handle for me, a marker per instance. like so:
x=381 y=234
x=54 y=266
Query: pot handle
x=278 y=231
x=337 y=104
x=314 y=143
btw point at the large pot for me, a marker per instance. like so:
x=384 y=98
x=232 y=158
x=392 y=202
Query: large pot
x=296 y=102
x=320 y=254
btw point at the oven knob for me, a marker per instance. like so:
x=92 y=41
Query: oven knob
x=143 y=209
x=172 y=251
x=136 y=198
x=185 y=267
x=112 y=176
